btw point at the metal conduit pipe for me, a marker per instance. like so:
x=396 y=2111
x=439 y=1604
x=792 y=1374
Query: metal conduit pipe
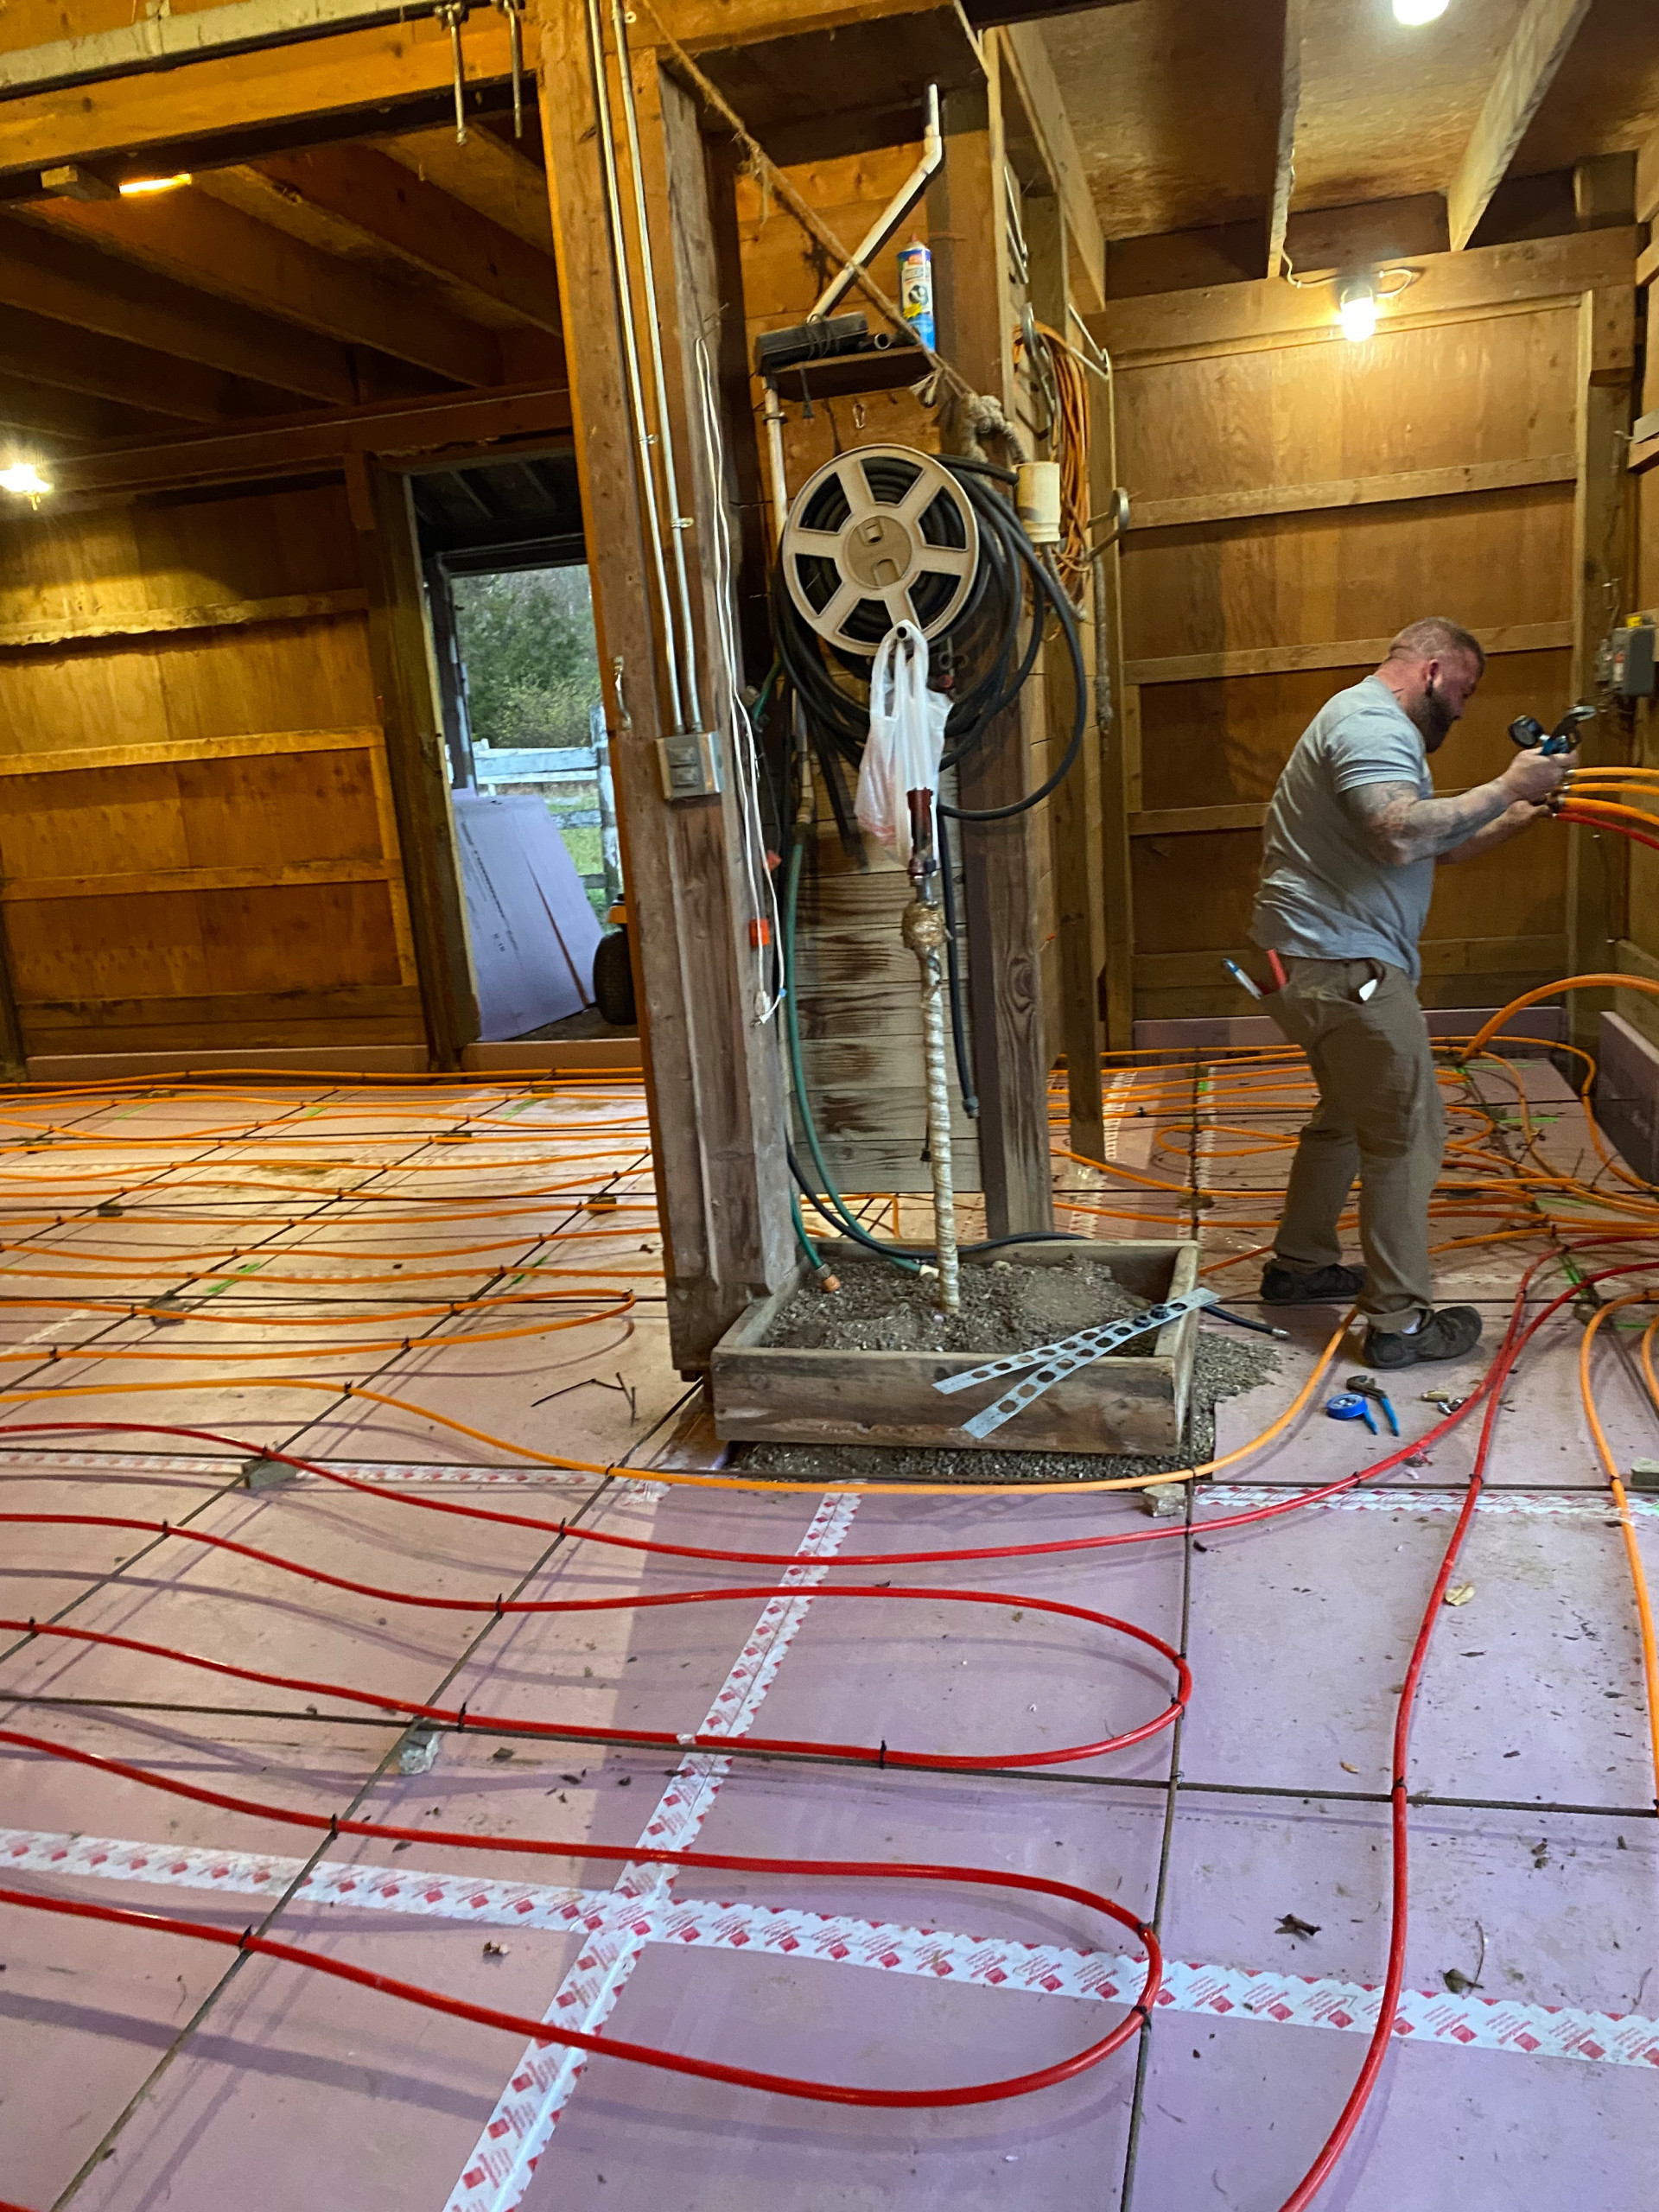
x=679 y=523
x=631 y=353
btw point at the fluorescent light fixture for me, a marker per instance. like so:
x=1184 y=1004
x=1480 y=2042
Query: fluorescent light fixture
x=1418 y=11
x=1357 y=311
x=136 y=187
x=24 y=479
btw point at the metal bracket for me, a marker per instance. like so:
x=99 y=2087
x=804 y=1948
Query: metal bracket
x=1052 y=1362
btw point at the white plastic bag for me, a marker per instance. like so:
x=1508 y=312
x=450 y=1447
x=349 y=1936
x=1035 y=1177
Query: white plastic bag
x=906 y=739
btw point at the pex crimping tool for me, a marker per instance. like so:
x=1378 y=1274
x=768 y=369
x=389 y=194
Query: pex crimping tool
x=1363 y=1386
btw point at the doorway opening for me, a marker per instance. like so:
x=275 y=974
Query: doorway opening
x=504 y=563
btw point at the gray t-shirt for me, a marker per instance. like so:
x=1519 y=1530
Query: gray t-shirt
x=1324 y=894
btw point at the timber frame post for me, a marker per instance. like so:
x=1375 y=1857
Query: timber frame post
x=1598 y=864
x=966 y=215
x=713 y=1075
x=400 y=655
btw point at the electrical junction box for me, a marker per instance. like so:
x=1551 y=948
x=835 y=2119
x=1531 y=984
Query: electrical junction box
x=690 y=765
x=1630 y=657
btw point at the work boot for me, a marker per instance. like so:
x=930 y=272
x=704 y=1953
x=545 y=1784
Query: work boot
x=1448 y=1334
x=1283 y=1286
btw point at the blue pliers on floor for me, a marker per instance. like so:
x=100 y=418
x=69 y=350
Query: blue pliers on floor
x=1365 y=1386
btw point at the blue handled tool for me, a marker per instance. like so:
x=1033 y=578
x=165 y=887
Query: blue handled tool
x=1528 y=732
x=1364 y=1386
x=1348 y=1405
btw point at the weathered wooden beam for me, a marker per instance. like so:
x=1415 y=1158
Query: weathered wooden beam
x=1353 y=491
x=199 y=240
x=60 y=418
x=217 y=98
x=416 y=765
x=156 y=621
x=352 y=200
x=466 y=422
x=485 y=175
x=1546 y=30
x=1598 y=868
x=85 y=361
x=1292 y=28
x=1222 y=318
x=1027 y=61
x=967 y=229
x=1345 y=652
x=1074 y=811
x=714 y=1090
x=49 y=276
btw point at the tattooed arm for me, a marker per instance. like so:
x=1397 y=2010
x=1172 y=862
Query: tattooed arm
x=1401 y=828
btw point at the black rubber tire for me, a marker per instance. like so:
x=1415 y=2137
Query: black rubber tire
x=613 y=981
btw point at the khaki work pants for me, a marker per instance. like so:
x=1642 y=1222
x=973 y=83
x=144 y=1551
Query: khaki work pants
x=1379 y=1118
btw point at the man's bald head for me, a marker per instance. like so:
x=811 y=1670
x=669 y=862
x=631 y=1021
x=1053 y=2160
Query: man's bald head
x=1432 y=667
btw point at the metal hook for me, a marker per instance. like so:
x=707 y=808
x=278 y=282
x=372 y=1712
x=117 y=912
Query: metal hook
x=514 y=12
x=451 y=15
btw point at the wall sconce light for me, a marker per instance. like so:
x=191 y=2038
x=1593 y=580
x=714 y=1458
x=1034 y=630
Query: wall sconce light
x=1418 y=11
x=136 y=187
x=1356 y=310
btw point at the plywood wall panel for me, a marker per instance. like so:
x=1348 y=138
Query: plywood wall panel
x=1488 y=558
x=1495 y=390
x=1223 y=742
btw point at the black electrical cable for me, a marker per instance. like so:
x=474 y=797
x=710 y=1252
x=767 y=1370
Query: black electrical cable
x=953 y=973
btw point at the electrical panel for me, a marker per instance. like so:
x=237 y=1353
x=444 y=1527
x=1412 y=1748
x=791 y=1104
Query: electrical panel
x=1628 y=659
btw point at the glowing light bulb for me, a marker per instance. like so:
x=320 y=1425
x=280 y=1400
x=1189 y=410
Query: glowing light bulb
x=1418 y=11
x=24 y=479
x=136 y=187
x=1357 y=311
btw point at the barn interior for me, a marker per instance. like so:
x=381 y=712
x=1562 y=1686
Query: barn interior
x=627 y=1715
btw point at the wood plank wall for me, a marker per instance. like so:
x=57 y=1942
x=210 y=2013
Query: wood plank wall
x=1297 y=498
x=197 y=838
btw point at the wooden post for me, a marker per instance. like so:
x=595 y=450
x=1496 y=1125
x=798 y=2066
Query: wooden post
x=714 y=1078
x=1074 y=811
x=1119 y=740
x=968 y=230
x=400 y=659
x=1598 y=869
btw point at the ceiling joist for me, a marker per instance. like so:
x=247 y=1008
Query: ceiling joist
x=199 y=241
x=353 y=200
x=46 y=275
x=483 y=175
x=1546 y=30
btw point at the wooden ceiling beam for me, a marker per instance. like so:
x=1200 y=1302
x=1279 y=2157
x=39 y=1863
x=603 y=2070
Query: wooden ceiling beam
x=452 y=427
x=1290 y=102
x=1546 y=30
x=49 y=276
x=485 y=175
x=199 y=241
x=31 y=409
x=354 y=199
x=1039 y=93
x=220 y=97
x=86 y=361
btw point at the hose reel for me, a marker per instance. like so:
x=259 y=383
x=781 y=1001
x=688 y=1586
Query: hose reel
x=878 y=536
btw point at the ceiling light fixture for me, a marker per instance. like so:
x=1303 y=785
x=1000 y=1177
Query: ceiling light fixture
x=1418 y=11
x=23 y=478
x=1357 y=311
x=136 y=187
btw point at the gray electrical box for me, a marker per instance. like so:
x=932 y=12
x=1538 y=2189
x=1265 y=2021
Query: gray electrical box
x=690 y=765
x=1631 y=660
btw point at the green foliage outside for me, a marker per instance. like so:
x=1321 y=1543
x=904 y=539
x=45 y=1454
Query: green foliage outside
x=527 y=640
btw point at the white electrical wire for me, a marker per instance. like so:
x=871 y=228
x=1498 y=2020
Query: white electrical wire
x=746 y=766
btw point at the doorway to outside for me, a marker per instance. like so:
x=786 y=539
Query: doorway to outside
x=504 y=560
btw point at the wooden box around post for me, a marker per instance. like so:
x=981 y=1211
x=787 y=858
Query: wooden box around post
x=779 y=1394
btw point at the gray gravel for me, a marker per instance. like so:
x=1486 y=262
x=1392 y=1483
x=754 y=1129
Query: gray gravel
x=1224 y=1364
x=1006 y=1305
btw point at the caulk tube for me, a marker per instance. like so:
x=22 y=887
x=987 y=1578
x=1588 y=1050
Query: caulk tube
x=916 y=292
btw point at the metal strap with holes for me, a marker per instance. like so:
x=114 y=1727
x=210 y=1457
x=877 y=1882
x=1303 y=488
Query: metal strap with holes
x=1050 y=1362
